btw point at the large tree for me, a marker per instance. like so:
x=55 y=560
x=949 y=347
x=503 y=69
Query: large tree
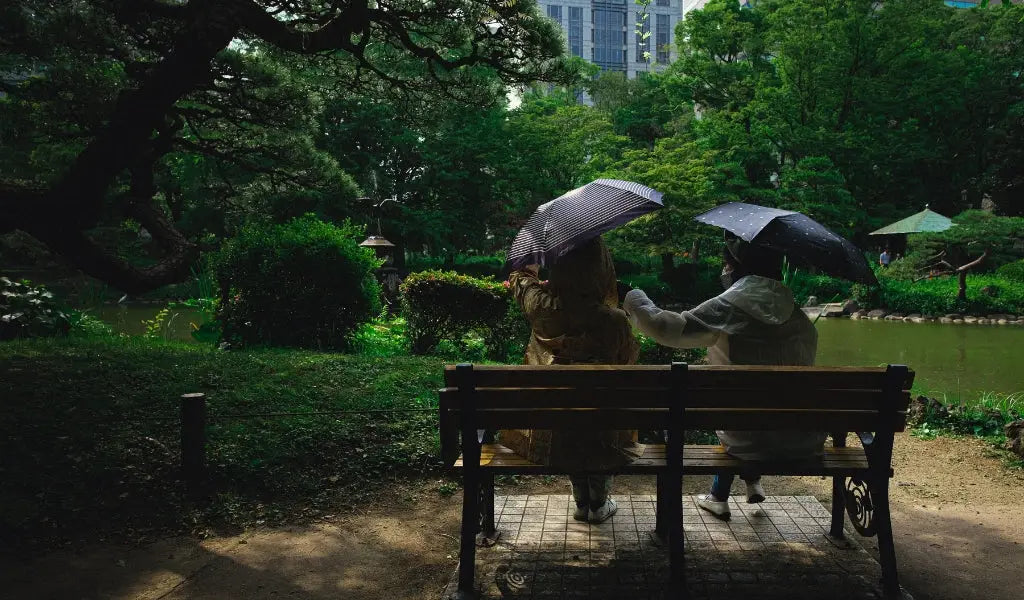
x=911 y=101
x=124 y=84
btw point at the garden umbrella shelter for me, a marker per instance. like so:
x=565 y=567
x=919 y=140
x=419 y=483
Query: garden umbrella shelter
x=793 y=234
x=926 y=221
x=922 y=222
x=575 y=217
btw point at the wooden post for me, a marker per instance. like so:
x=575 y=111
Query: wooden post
x=193 y=440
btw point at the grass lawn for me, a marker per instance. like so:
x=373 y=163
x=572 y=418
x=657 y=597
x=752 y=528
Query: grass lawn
x=90 y=444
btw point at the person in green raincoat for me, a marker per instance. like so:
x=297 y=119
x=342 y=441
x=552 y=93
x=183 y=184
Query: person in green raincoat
x=574 y=318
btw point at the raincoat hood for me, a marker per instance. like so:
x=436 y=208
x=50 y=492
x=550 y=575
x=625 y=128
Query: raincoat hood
x=765 y=300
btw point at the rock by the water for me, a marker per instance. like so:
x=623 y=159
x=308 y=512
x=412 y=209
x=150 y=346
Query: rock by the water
x=945 y=320
x=1015 y=437
x=877 y=314
x=1002 y=321
x=922 y=407
x=970 y=319
x=850 y=307
x=958 y=321
x=983 y=321
x=833 y=309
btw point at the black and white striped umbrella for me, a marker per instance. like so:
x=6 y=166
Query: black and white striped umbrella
x=586 y=212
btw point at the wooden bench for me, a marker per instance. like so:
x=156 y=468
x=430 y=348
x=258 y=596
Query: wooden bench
x=676 y=398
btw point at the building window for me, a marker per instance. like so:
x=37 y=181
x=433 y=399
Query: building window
x=576 y=30
x=664 y=3
x=555 y=12
x=642 y=44
x=661 y=40
x=609 y=31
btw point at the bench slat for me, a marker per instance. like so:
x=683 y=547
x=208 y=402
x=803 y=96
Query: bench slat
x=783 y=398
x=698 y=418
x=657 y=376
x=696 y=460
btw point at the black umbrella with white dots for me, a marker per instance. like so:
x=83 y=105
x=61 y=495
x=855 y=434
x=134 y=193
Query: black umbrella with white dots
x=793 y=234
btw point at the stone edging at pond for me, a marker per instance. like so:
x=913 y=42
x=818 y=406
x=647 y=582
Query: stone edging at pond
x=837 y=310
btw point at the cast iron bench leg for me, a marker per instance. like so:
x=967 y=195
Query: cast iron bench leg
x=886 y=547
x=838 y=492
x=488 y=534
x=662 y=517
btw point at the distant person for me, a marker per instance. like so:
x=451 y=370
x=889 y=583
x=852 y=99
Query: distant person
x=883 y=258
x=574 y=318
x=755 y=321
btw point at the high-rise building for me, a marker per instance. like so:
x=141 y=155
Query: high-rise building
x=605 y=31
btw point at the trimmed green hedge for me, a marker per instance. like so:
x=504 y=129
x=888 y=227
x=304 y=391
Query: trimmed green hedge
x=444 y=305
x=303 y=284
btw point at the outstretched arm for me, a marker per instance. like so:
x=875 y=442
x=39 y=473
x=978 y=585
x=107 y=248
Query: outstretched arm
x=677 y=330
x=531 y=296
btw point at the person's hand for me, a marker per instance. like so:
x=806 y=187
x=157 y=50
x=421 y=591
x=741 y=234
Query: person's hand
x=633 y=299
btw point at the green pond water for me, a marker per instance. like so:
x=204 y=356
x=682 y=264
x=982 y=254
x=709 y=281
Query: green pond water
x=956 y=360
x=129 y=319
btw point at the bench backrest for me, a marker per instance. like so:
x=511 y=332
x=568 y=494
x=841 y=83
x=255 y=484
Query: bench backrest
x=658 y=397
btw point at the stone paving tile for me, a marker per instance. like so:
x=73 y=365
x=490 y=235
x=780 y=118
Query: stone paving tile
x=778 y=549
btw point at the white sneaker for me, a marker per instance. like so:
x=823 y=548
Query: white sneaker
x=581 y=513
x=604 y=513
x=755 y=493
x=714 y=506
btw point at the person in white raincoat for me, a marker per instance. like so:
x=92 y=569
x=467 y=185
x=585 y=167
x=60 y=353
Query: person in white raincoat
x=755 y=321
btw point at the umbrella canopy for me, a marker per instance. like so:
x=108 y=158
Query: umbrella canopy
x=794 y=234
x=586 y=212
x=922 y=222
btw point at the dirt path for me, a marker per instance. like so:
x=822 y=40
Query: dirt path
x=958 y=520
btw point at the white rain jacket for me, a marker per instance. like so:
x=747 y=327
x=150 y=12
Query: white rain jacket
x=754 y=322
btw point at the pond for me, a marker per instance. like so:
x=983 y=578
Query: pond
x=957 y=360
x=128 y=318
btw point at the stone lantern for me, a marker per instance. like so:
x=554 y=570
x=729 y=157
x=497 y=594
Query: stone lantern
x=387 y=274
x=382 y=248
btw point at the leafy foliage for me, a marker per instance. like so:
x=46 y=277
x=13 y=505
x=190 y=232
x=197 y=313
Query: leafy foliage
x=28 y=311
x=1013 y=271
x=443 y=305
x=306 y=283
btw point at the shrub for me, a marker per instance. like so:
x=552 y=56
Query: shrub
x=87 y=326
x=28 y=311
x=653 y=353
x=473 y=265
x=443 y=305
x=939 y=296
x=306 y=283
x=1012 y=271
x=827 y=289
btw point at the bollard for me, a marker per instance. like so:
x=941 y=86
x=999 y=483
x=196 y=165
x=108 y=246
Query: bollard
x=193 y=440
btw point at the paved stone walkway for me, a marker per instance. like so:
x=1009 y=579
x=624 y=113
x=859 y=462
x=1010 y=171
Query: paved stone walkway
x=777 y=549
